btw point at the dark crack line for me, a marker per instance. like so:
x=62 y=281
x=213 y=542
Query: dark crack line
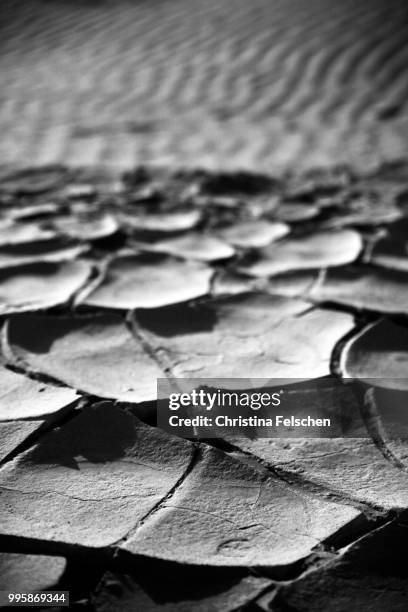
x=372 y=421
x=248 y=604
x=95 y=278
x=314 y=488
x=338 y=348
x=154 y=352
x=196 y=457
x=66 y=414
x=313 y=564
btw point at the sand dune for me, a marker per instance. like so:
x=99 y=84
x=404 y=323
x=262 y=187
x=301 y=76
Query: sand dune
x=261 y=84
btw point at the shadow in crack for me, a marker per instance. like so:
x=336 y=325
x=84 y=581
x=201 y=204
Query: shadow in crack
x=132 y=584
x=99 y=434
x=371 y=575
x=177 y=320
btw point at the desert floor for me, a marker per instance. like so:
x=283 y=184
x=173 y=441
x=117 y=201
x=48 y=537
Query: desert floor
x=207 y=190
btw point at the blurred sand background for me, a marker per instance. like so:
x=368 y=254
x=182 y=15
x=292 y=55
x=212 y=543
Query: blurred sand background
x=260 y=84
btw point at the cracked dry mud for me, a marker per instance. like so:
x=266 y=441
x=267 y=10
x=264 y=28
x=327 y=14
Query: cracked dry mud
x=108 y=282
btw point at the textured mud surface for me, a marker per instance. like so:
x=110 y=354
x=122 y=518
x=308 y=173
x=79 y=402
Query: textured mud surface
x=108 y=282
x=111 y=280
x=265 y=84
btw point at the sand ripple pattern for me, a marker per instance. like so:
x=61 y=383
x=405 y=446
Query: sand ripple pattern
x=266 y=84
